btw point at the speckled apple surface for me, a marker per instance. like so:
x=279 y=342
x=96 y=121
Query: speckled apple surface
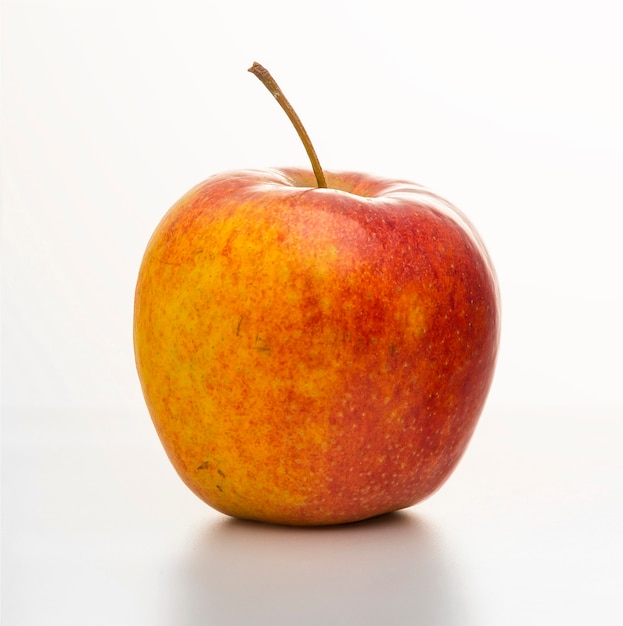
x=314 y=356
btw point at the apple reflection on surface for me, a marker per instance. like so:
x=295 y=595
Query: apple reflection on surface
x=388 y=570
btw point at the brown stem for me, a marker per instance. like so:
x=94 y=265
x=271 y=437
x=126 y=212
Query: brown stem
x=269 y=82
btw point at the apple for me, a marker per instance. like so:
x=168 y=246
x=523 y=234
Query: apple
x=314 y=347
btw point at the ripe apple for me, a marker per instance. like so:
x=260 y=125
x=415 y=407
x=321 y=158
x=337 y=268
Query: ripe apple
x=314 y=355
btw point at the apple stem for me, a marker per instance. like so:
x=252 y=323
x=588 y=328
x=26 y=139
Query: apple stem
x=271 y=84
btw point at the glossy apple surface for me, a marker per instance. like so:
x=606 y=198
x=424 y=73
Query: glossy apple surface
x=314 y=356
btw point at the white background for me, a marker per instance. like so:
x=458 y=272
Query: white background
x=112 y=110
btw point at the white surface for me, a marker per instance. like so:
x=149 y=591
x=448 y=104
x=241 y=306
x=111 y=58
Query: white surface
x=112 y=110
x=97 y=529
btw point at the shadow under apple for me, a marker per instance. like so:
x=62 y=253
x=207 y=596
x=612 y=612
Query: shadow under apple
x=388 y=570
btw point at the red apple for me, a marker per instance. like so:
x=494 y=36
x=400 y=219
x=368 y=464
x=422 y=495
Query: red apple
x=314 y=355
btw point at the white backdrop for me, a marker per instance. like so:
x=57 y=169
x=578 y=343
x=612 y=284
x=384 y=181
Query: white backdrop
x=112 y=110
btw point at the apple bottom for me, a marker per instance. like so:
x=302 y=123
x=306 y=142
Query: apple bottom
x=376 y=449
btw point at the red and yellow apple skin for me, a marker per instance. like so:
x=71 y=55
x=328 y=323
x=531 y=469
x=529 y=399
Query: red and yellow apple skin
x=314 y=356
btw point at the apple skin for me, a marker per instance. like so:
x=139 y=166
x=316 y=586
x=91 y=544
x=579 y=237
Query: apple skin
x=314 y=356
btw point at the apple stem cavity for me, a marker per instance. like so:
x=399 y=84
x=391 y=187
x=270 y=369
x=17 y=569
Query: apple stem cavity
x=271 y=84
